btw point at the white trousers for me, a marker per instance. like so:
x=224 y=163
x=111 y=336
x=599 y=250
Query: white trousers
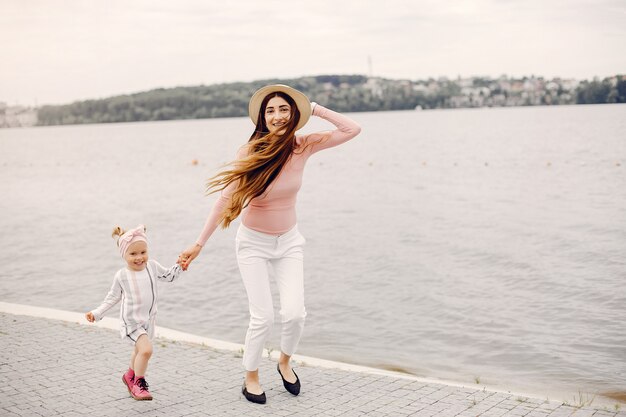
x=255 y=252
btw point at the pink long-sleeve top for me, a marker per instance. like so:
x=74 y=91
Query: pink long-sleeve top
x=274 y=212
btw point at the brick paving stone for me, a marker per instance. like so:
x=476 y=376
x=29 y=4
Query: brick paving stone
x=560 y=412
x=518 y=412
x=76 y=371
x=548 y=406
x=426 y=413
x=537 y=412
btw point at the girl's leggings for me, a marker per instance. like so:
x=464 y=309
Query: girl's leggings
x=255 y=252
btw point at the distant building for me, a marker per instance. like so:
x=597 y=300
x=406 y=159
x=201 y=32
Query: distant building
x=420 y=88
x=374 y=85
x=569 y=85
x=517 y=86
x=552 y=86
x=459 y=101
x=17 y=116
x=465 y=82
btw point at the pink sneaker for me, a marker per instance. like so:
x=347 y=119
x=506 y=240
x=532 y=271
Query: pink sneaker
x=129 y=380
x=139 y=390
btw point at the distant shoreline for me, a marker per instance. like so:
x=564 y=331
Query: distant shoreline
x=343 y=93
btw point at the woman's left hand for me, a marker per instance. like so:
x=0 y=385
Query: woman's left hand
x=188 y=255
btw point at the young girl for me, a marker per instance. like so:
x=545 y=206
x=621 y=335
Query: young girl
x=135 y=285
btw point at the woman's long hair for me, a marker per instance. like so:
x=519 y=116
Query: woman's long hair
x=267 y=154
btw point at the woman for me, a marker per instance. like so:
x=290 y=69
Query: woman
x=262 y=185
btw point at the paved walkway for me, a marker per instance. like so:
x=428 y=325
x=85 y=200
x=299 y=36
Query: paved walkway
x=53 y=367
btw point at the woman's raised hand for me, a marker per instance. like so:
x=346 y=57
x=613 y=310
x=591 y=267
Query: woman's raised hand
x=188 y=255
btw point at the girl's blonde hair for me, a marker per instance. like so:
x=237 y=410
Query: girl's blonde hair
x=267 y=155
x=118 y=231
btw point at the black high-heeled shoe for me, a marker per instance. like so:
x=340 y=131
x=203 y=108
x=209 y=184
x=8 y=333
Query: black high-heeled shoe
x=293 y=388
x=253 y=398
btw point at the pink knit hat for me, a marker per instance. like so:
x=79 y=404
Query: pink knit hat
x=133 y=235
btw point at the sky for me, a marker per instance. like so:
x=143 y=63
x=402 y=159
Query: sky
x=59 y=51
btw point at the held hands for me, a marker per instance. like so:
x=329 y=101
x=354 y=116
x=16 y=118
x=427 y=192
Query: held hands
x=90 y=317
x=188 y=255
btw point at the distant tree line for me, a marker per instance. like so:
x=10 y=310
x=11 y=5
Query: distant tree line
x=344 y=93
x=599 y=92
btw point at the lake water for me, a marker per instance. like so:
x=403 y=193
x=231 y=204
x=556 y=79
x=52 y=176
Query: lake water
x=473 y=244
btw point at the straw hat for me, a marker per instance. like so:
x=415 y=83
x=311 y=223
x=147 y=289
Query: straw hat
x=302 y=101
